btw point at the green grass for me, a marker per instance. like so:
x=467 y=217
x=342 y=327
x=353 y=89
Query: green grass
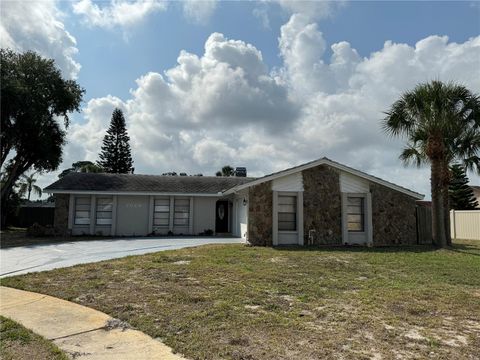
x=239 y=302
x=19 y=343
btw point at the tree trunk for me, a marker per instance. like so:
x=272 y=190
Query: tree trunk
x=446 y=214
x=438 y=210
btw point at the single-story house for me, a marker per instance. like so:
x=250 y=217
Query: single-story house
x=320 y=202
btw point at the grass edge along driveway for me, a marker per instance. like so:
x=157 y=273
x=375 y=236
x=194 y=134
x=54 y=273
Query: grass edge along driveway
x=240 y=302
x=19 y=343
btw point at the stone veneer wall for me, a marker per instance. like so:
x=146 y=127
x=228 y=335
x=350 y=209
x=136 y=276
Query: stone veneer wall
x=393 y=217
x=60 y=220
x=260 y=203
x=322 y=205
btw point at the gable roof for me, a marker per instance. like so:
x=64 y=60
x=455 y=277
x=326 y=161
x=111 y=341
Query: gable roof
x=143 y=184
x=334 y=164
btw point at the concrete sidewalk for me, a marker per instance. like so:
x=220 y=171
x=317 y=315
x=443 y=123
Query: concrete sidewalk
x=81 y=332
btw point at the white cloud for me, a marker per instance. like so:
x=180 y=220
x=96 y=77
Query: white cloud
x=310 y=10
x=199 y=11
x=225 y=107
x=38 y=26
x=117 y=12
x=314 y=10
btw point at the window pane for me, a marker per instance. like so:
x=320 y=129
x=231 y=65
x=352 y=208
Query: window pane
x=354 y=210
x=161 y=215
x=104 y=214
x=82 y=221
x=104 y=207
x=82 y=200
x=355 y=201
x=160 y=222
x=104 y=201
x=162 y=208
x=287 y=208
x=80 y=207
x=104 y=221
x=287 y=226
x=182 y=202
x=82 y=214
x=181 y=222
x=355 y=214
x=165 y=202
x=287 y=213
x=286 y=217
x=182 y=209
x=181 y=215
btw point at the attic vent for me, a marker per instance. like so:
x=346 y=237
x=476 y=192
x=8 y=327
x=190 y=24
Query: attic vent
x=241 y=171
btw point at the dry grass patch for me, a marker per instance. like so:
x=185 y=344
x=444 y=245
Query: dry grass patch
x=239 y=302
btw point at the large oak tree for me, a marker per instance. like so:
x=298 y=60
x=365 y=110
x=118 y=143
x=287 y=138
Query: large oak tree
x=34 y=97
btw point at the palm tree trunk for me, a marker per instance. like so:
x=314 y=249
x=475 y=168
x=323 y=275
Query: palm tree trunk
x=446 y=202
x=438 y=210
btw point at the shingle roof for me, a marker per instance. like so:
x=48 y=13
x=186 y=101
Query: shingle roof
x=145 y=183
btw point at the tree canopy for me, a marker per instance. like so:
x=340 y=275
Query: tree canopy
x=461 y=195
x=34 y=95
x=227 y=170
x=115 y=156
x=82 y=166
x=441 y=122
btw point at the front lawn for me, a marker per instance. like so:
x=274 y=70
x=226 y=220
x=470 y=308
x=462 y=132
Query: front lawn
x=239 y=302
x=19 y=343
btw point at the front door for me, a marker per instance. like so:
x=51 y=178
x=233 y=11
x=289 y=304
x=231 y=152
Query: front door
x=221 y=218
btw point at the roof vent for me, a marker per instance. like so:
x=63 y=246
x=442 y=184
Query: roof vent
x=241 y=171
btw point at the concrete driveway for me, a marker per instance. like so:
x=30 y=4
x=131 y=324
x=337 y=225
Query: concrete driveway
x=32 y=258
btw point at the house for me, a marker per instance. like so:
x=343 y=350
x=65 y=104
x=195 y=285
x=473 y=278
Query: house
x=320 y=202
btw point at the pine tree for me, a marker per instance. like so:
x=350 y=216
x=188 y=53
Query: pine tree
x=461 y=195
x=115 y=156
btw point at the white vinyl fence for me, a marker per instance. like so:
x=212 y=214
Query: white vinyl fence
x=465 y=224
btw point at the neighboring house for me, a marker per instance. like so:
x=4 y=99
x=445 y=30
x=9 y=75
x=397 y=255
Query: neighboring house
x=320 y=202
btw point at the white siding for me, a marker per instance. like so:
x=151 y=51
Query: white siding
x=293 y=182
x=353 y=184
x=240 y=214
x=204 y=214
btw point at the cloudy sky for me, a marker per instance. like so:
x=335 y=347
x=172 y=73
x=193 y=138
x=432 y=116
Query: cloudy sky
x=266 y=84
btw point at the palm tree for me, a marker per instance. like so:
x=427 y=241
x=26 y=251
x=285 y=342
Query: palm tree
x=27 y=185
x=442 y=125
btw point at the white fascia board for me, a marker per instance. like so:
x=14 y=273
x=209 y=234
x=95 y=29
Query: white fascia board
x=87 y=192
x=333 y=164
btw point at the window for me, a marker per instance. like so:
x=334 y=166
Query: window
x=104 y=211
x=356 y=214
x=161 y=212
x=82 y=211
x=182 y=212
x=287 y=213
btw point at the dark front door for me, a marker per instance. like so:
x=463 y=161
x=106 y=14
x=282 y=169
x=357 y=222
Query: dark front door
x=221 y=222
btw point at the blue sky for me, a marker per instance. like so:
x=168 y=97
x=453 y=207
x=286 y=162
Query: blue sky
x=266 y=84
x=111 y=61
